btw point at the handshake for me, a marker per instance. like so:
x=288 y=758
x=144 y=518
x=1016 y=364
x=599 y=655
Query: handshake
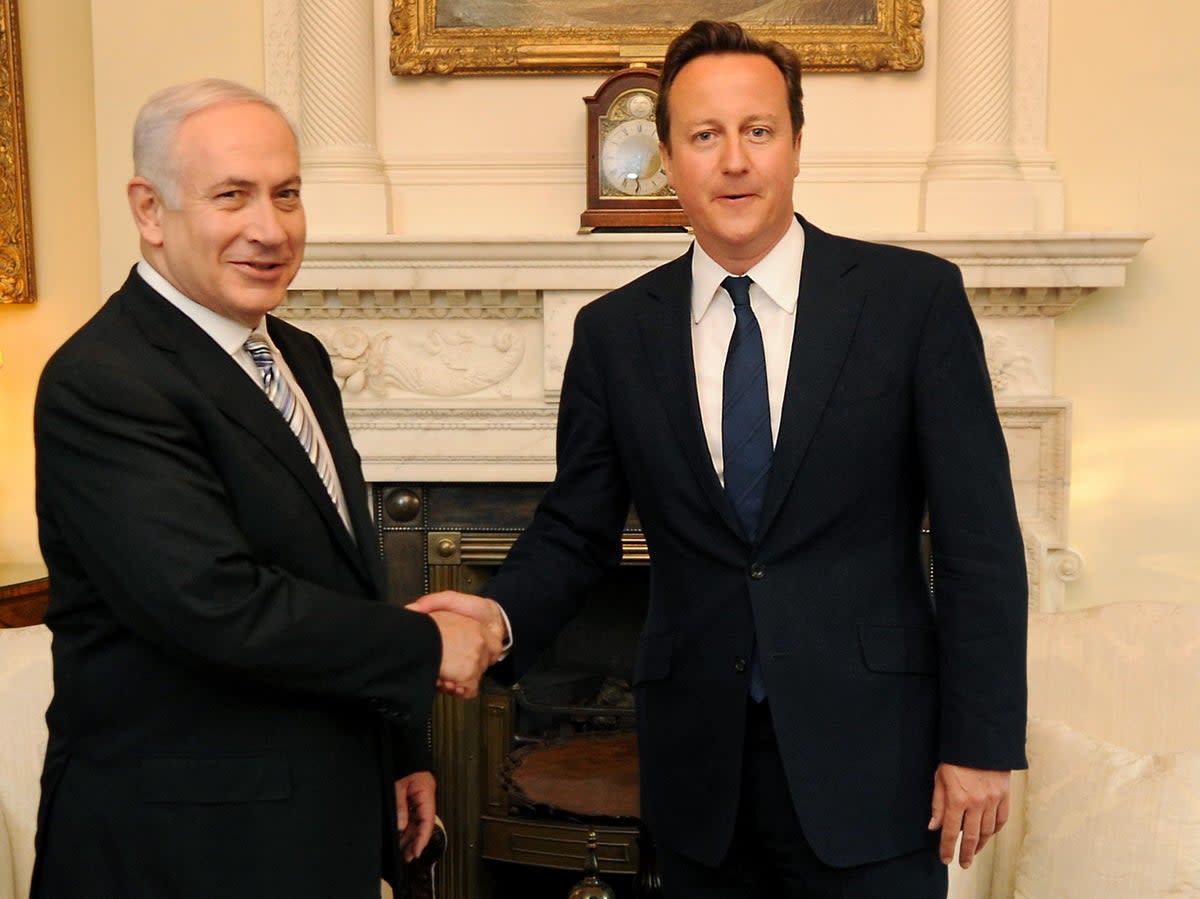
x=474 y=636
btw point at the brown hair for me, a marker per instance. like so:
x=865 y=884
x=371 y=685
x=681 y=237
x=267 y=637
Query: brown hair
x=706 y=37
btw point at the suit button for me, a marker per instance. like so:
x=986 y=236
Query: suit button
x=739 y=666
x=758 y=571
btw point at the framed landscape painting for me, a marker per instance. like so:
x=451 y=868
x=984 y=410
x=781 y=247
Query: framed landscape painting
x=508 y=37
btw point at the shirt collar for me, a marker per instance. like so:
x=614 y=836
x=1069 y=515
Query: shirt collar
x=777 y=273
x=228 y=334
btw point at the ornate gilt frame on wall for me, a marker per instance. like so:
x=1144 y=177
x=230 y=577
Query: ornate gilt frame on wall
x=421 y=46
x=16 y=232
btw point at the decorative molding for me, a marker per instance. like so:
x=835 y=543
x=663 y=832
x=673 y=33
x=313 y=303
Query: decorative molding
x=1066 y=563
x=1025 y=302
x=432 y=362
x=1040 y=271
x=453 y=418
x=1041 y=480
x=17 y=283
x=1046 y=471
x=1006 y=366
x=412 y=304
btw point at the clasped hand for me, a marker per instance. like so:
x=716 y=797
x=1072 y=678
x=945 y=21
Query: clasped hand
x=473 y=638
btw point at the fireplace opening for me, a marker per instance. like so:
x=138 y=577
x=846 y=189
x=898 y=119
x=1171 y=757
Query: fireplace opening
x=526 y=771
x=582 y=684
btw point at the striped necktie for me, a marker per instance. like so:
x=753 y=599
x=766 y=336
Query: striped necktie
x=746 y=428
x=279 y=392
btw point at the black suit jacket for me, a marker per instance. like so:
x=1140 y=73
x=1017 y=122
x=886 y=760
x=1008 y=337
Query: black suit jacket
x=233 y=697
x=888 y=410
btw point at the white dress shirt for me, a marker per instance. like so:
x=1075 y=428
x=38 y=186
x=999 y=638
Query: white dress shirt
x=231 y=336
x=773 y=297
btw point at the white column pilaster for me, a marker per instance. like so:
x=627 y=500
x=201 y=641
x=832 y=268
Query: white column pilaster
x=972 y=181
x=345 y=188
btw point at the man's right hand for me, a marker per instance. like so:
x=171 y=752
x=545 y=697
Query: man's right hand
x=468 y=648
x=481 y=611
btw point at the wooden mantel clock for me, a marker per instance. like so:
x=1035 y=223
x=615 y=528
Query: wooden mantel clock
x=626 y=184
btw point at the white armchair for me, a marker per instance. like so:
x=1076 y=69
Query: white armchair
x=1111 y=804
x=25 y=689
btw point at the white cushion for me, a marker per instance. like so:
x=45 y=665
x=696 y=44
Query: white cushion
x=25 y=688
x=1102 y=821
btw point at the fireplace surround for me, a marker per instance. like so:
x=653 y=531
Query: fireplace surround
x=450 y=353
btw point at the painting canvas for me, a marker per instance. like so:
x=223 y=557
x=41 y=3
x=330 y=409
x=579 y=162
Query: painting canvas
x=473 y=37
x=602 y=14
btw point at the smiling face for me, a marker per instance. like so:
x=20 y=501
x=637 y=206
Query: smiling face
x=236 y=239
x=732 y=156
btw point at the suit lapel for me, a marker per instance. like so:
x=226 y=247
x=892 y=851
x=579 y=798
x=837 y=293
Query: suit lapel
x=826 y=317
x=318 y=387
x=666 y=332
x=227 y=386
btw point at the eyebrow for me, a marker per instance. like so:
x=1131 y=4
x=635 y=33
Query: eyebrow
x=248 y=184
x=768 y=117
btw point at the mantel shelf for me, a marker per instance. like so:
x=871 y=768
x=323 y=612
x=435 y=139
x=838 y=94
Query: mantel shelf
x=601 y=262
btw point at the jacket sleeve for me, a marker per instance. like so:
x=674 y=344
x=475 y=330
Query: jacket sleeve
x=136 y=512
x=980 y=587
x=575 y=536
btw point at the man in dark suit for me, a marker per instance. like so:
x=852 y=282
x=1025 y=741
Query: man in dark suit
x=811 y=721
x=237 y=712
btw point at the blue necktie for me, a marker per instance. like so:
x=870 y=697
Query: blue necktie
x=279 y=392
x=746 y=427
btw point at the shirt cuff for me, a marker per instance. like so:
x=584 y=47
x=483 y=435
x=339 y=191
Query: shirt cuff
x=508 y=634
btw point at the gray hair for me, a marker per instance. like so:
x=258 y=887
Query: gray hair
x=158 y=124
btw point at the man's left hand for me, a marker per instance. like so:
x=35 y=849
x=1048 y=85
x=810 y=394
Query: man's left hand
x=973 y=801
x=416 y=805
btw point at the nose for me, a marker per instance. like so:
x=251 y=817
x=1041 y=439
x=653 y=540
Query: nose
x=733 y=156
x=265 y=225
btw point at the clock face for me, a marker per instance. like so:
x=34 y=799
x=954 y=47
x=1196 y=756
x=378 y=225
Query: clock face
x=630 y=161
x=630 y=164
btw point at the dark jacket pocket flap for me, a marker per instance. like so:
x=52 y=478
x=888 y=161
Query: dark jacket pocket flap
x=211 y=781
x=899 y=650
x=654 y=659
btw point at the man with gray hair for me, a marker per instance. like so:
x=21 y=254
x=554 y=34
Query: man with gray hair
x=237 y=710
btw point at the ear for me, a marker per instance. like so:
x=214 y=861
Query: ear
x=665 y=155
x=147 y=208
x=796 y=152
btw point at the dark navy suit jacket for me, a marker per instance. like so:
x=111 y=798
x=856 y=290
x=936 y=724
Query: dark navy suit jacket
x=888 y=411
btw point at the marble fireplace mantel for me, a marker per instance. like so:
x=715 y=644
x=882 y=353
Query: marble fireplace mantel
x=450 y=352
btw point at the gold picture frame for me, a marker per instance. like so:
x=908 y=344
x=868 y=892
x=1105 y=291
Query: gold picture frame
x=427 y=40
x=16 y=228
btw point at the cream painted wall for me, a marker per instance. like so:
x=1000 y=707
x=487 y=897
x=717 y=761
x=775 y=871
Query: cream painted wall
x=57 y=62
x=525 y=137
x=87 y=69
x=1123 y=122
x=1124 y=125
x=141 y=46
